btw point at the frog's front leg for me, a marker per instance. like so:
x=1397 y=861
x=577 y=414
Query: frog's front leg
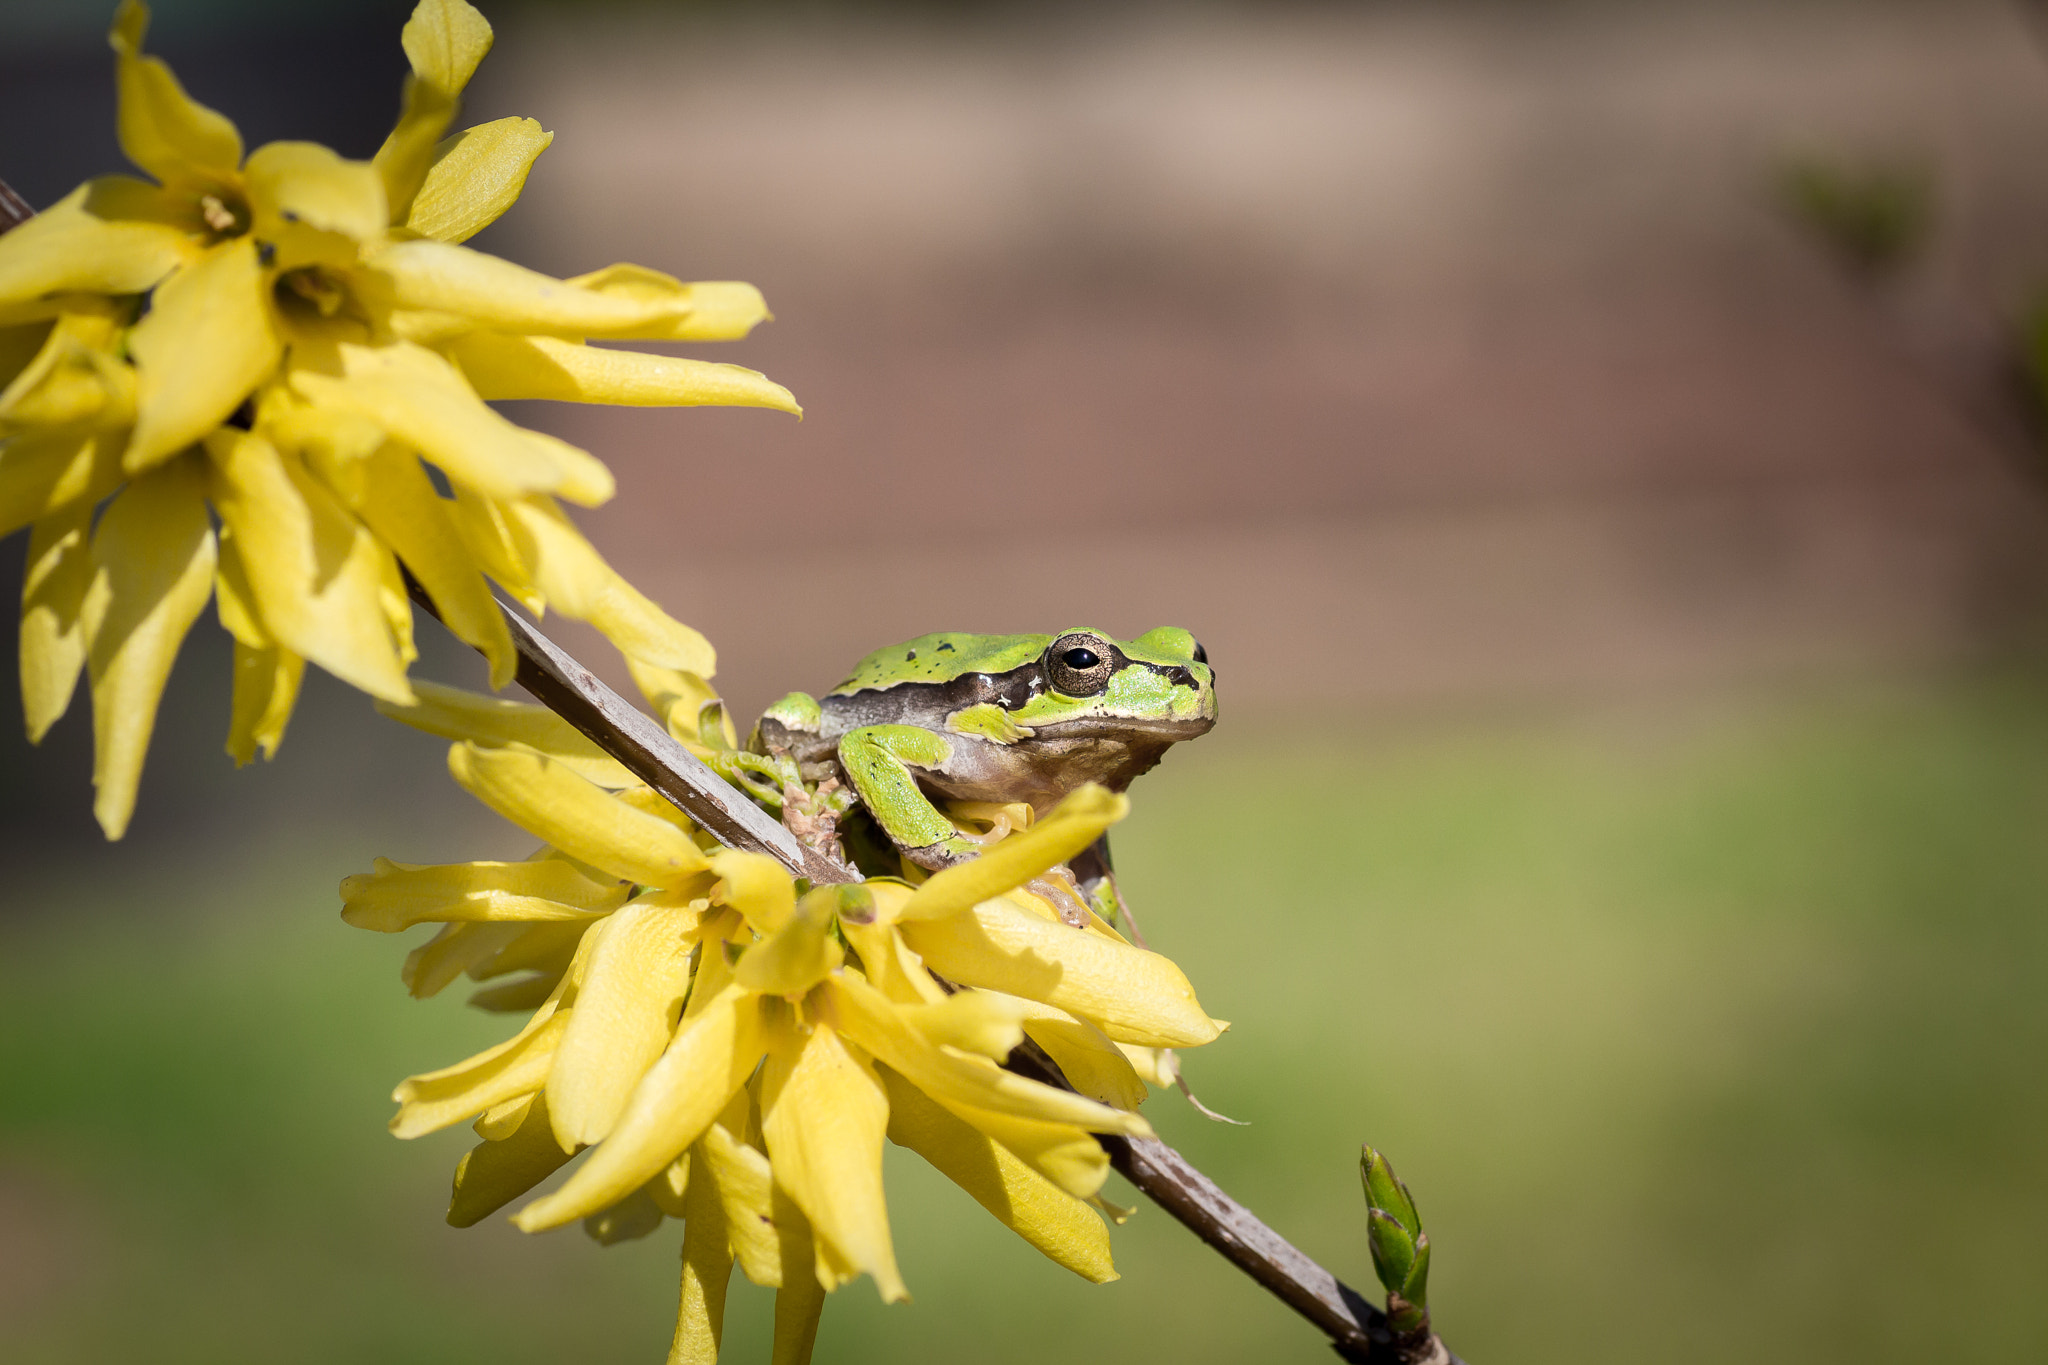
x=881 y=762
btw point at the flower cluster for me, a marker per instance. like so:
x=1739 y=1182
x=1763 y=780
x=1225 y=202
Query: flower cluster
x=733 y=1050
x=299 y=342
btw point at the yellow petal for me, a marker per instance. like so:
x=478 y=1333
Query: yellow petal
x=677 y=696
x=707 y=1270
x=516 y=996
x=162 y=129
x=423 y=402
x=711 y=1056
x=583 y=820
x=745 y=1185
x=312 y=205
x=622 y=1020
x=973 y=1021
x=400 y=506
x=824 y=1116
x=232 y=599
x=484 y=950
x=152 y=557
x=266 y=688
x=757 y=886
x=633 y=1217
x=47 y=472
x=337 y=444
x=577 y=582
x=316 y=575
x=476 y=175
x=493 y=1174
x=1072 y=825
x=548 y=947
x=207 y=341
x=396 y=602
x=108 y=236
x=709 y=310
x=1156 y=1066
x=864 y=1015
x=20 y=343
x=486 y=531
x=444 y=40
x=431 y=1102
x=501 y=1121
x=1092 y=1063
x=75 y=378
x=1060 y=1226
x=429 y=968
x=508 y=367
x=1061 y=1152
x=395 y=896
x=670 y=1187
x=799 y=1300
x=581 y=477
x=580 y=938
x=495 y=293
x=798 y=956
x=887 y=961
x=52 y=616
x=1132 y=995
x=407 y=153
x=454 y=713
x=463 y=949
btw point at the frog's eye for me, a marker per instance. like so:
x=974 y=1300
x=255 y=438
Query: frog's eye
x=1078 y=665
x=1201 y=654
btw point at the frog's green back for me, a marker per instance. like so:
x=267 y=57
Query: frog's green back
x=941 y=657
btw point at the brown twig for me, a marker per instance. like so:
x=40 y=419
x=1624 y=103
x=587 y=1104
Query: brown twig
x=14 y=210
x=1357 y=1330
x=647 y=751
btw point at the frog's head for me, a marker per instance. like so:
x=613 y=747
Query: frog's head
x=1160 y=684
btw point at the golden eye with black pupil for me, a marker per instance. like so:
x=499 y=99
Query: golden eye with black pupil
x=1078 y=665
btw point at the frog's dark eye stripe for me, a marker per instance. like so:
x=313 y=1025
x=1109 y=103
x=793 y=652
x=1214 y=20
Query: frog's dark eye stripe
x=1079 y=665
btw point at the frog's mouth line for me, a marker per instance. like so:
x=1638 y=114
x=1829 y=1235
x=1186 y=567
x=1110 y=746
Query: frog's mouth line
x=1111 y=727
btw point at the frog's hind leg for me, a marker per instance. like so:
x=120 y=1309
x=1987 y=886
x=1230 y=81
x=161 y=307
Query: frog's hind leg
x=881 y=763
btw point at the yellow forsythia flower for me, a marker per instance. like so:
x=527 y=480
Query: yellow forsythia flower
x=287 y=337
x=733 y=1054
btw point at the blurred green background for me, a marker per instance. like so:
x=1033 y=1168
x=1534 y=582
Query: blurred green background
x=1696 y=1036
x=1629 y=809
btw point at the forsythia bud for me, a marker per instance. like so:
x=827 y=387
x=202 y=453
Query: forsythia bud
x=1400 y=1248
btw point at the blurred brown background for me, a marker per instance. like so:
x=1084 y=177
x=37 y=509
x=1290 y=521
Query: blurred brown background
x=1628 y=613
x=1406 y=354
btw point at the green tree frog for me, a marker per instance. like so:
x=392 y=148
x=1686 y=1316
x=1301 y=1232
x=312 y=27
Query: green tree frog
x=994 y=718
